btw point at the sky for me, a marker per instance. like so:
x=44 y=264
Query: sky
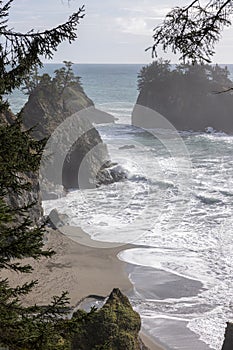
x=112 y=31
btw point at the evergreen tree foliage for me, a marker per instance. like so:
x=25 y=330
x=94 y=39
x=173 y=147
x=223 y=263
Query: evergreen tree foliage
x=188 y=94
x=192 y=31
x=30 y=81
x=20 y=238
x=63 y=77
x=19 y=52
x=209 y=77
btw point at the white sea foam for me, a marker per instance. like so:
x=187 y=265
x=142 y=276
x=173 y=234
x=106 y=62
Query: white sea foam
x=190 y=232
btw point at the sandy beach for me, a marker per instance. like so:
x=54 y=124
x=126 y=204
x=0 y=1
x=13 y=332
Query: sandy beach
x=81 y=268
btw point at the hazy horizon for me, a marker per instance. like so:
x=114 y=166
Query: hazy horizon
x=113 y=32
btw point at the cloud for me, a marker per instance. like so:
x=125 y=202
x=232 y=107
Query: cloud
x=158 y=12
x=133 y=25
x=119 y=31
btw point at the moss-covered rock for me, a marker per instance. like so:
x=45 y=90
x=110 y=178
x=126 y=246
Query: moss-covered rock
x=113 y=327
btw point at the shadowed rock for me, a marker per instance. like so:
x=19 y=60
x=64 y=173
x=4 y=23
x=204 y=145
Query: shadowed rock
x=86 y=154
x=228 y=341
x=190 y=97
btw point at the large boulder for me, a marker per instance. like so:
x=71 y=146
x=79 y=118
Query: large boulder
x=114 y=327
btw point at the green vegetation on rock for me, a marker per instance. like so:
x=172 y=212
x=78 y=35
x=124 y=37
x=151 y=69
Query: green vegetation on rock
x=189 y=96
x=113 y=327
x=52 y=99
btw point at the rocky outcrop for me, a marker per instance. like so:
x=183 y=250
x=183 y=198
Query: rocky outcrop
x=114 y=327
x=47 y=108
x=78 y=145
x=75 y=100
x=189 y=97
x=56 y=219
x=7 y=117
x=228 y=341
x=30 y=198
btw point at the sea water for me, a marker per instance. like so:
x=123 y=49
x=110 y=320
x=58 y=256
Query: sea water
x=184 y=230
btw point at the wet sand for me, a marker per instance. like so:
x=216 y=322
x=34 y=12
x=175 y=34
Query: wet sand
x=161 y=287
x=77 y=268
x=175 y=333
x=158 y=284
x=149 y=342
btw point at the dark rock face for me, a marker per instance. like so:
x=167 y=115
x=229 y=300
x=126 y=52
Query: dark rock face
x=26 y=198
x=75 y=100
x=187 y=97
x=46 y=109
x=228 y=342
x=195 y=115
x=84 y=159
x=7 y=117
x=110 y=173
x=114 y=327
x=79 y=145
x=55 y=219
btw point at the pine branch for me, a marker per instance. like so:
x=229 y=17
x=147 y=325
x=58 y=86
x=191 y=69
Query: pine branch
x=23 y=50
x=193 y=30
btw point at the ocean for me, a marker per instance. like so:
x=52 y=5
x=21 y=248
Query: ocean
x=180 y=217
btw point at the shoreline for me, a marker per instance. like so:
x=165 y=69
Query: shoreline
x=84 y=267
x=83 y=238
x=149 y=342
x=80 y=266
x=80 y=269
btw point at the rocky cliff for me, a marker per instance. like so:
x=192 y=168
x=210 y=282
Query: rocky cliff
x=113 y=327
x=76 y=144
x=25 y=198
x=47 y=107
x=189 y=97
